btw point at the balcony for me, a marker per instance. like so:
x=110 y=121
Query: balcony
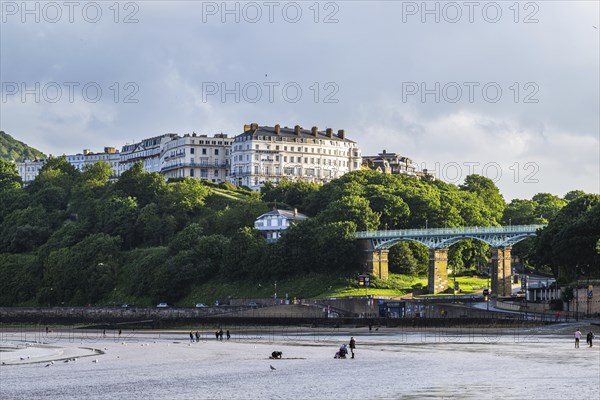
x=194 y=165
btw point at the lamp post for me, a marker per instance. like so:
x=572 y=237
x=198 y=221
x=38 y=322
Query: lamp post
x=524 y=283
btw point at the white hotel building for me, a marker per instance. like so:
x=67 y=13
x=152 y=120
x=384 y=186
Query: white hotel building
x=147 y=152
x=197 y=156
x=29 y=169
x=110 y=155
x=270 y=154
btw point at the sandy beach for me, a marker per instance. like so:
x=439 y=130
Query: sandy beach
x=390 y=363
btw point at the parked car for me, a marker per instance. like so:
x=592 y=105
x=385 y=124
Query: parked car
x=162 y=305
x=200 y=305
x=253 y=304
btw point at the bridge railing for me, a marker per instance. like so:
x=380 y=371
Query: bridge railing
x=473 y=230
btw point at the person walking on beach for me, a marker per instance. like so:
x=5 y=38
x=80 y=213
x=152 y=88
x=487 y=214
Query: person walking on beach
x=217 y=335
x=197 y=337
x=221 y=334
x=577 y=337
x=352 y=346
x=191 y=337
x=228 y=335
x=589 y=338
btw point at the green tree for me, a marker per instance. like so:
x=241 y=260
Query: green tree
x=19 y=279
x=9 y=176
x=354 y=209
x=241 y=263
x=573 y=194
x=568 y=244
x=408 y=258
x=393 y=211
x=292 y=194
x=548 y=206
x=83 y=273
x=117 y=216
x=520 y=212
x=24 y=229
x=488 y=192
x=145 y=187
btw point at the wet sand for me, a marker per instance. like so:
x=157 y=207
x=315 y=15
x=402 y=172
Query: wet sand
x=466 y=363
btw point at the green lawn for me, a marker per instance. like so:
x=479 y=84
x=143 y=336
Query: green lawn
x=320 y=286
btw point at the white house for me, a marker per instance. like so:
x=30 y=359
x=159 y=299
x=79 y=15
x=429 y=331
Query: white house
x=274 y=223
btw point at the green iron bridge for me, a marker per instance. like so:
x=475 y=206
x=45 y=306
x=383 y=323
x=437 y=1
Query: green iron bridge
x=438 y=240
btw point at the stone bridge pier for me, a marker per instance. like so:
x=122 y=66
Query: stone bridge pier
x=501 y=271
x=437 y=275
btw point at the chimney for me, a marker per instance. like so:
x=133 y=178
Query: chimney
x=297 y=129
x=383 y=151
x=247 y=128
x=254 y=126
x=315 y=131
x=277 y=129
x=329 y=133
x=295 y=213
x=86 y=152
x=341 y=134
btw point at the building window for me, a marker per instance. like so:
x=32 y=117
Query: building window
x=216 y=152
x=204 y=151
x=192 y=172
x=192 y=150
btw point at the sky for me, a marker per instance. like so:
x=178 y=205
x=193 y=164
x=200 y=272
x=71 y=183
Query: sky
x=505 y=89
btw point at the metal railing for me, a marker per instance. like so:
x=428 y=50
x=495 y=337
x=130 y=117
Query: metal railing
x=468 y=230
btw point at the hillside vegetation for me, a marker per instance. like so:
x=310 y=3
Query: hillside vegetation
x=14 y=150
x=78 y=238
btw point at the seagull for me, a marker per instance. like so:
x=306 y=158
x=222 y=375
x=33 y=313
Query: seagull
x=594 y=26
x=272 y=367
x=96 y=360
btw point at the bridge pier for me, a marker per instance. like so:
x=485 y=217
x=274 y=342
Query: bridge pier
x=501 y=271
x=376 y=260
x=437 y=277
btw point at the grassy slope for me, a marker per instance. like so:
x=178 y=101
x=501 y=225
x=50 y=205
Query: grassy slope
x=317 y=286
x=12 y=149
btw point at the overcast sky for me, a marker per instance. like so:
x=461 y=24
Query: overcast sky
x=509 y=90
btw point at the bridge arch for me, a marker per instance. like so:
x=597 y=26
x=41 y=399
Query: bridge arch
x=438 y=241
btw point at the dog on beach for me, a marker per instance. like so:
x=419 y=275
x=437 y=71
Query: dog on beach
x=276 y=354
